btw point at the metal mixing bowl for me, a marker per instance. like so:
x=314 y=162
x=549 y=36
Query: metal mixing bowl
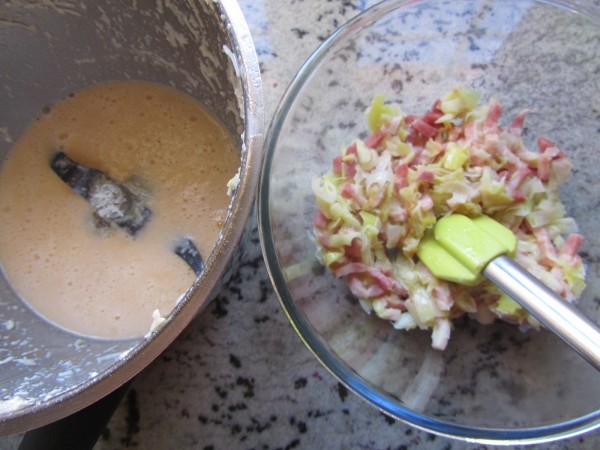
x=50 y=49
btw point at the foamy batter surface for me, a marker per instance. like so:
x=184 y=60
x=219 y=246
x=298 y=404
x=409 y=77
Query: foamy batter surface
x=51 y=252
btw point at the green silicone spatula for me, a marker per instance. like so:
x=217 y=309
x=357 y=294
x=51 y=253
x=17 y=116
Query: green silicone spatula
x=466 y=251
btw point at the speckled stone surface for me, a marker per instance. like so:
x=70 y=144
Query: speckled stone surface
x=239 y=376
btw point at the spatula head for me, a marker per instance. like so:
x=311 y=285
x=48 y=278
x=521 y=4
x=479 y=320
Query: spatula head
x=460 y=247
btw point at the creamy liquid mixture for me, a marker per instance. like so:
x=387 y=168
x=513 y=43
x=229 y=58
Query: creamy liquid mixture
x=52 y=254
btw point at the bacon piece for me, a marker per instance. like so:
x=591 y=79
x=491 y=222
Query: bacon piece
x=471 y=132
x=544 y=143
x=561 y=288
x=389 y=307
x=401 y=177
x=546 y=247
x=337 y=165
x=515 y=181
x=387 y=282
x=428 y=131
x=350 y=163
x=493 y=116
x=491 y=144
x=351 y=149
x=433 y=114
x=456 y=133
x=350 y=169
x=349 y=191
x=518 y=123
x=549 y=153
x=351 y=268
x=420 y=130
x=427 y=176
x=570 y=249
x=376 y=276
x=375 y=139
x=361 y=291
x=354 y=250
x=324 y=240
x=572 y=244
x=320 y=221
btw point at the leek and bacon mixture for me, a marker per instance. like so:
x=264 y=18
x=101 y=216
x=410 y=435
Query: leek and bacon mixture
x=383 y=193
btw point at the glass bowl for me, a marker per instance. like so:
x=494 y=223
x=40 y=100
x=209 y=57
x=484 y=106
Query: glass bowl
x=493 y=383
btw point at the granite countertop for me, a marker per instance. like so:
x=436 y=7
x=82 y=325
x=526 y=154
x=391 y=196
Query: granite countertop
x=239 y=376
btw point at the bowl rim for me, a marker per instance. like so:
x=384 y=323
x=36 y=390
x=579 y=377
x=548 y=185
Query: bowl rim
x=340 y=370
x=146 y=350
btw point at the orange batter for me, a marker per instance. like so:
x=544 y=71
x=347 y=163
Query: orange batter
x=52 y=254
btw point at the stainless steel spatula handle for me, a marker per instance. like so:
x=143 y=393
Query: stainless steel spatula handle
x=568 y=322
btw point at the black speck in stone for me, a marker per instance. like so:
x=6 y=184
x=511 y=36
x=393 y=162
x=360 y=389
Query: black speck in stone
x=132 y=419
x=257 y=427
x=219 y=310
x=481 y=66
x=215 y=407
x=443 y=401
x=397 y=86
x=237 y=407
x=265 y=289
x=342 y=392
x=388 y=419
x=209 y=447
x=221 y=392
x=293 y=444
x=235 y=361
x=317 y=269
x=261 y=319
x=300 y=383
x=347 y=125
x=258 y=261
x=472 y=45
x=248 y=384
x=105 y=436
x=302 y=427
x=202 y=419
x=494 y=345
x=408 y=432
x=237 y=291
x=518 y=341
x=299 y=32
x=316 y=413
